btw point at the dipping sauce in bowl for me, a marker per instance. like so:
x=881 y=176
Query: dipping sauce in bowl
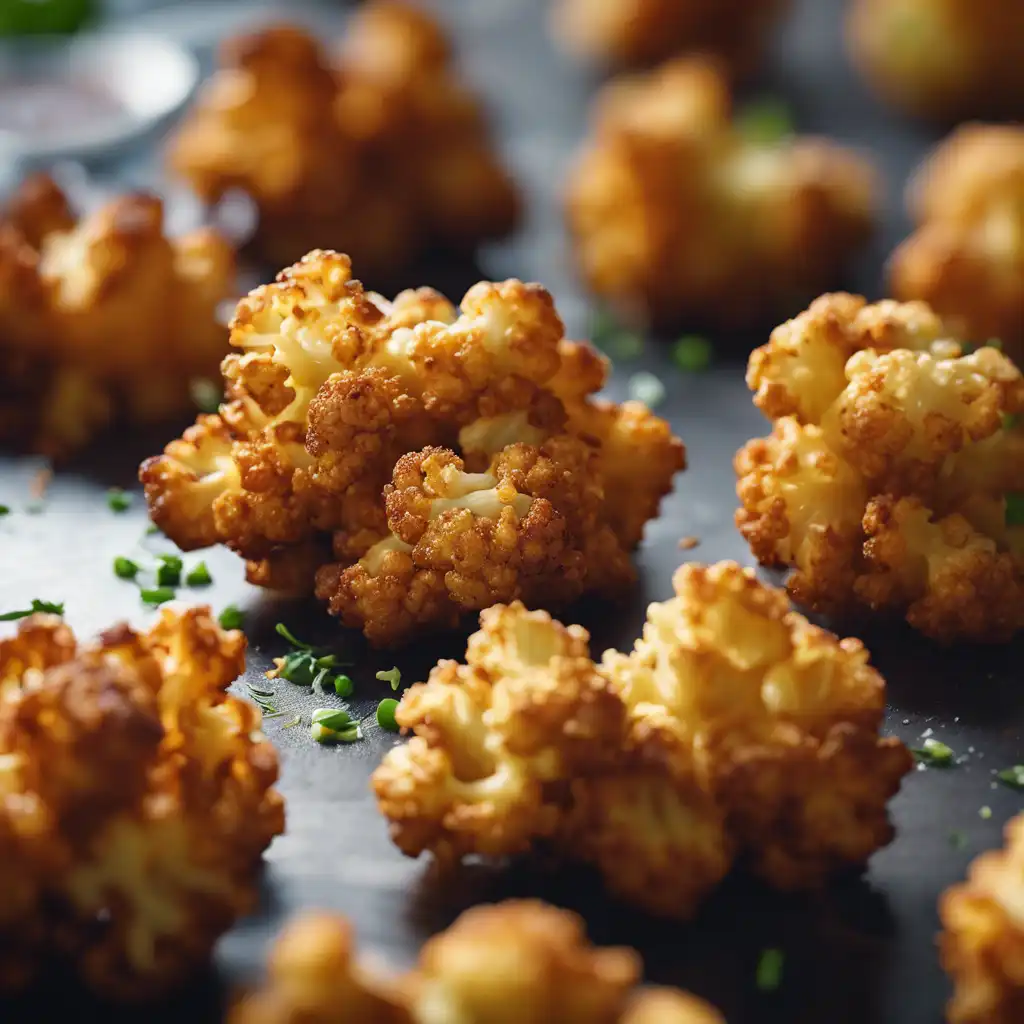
x=45 y=107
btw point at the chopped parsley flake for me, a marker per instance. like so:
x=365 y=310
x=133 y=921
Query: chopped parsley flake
x=392 y=676
x=118 y=500
x=765 y=122
x=231 y=618
x=645 y=387
x=1015 y=508
x=157 y=595
x=386 y=714
x=933 y=753
x=985 y=813
x=168 y=572
x=199 y=576
x=125 y=568
x=769 y=970
x=44 y=607
x=692 y=353
x=1012 y=777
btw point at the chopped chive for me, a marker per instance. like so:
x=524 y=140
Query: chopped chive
x=231 y=618
x=934 y=754
x=765 y=122
x=343 y=686
x=958 y=839
x=292 y=722
x=692 y=353
x=157 y=595
x=199 y=576
x=283 y=630
x=1015 y=508
x=320 y=732
x=392 y=676
x=125 y=568
x=769 y=970
x=1012 y=777
x=118 y=500
x=44 y=607
x=259 y=693
x=168 y=573
x=386 y=714
x=645 y=387
x=205 y=394
x=985 y=813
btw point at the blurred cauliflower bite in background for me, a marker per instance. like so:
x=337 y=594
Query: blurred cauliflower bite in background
x=894 y=474
x=620 y=32
x=135 y=801
x=966 y=258
x=675 y=213
x=983 y=937
x=102 y=316
x=735 y=731
x=343 y=419
x=517 y=962
x=380 y=151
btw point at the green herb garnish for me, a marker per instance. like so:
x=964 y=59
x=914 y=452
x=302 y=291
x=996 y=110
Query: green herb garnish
x=335 y=719
x=343 y=686
x=205 y=394
x=322 y=734
x=199 y=576
x=168 y=572
x=283 y=630
x=1015 y=508
x=292 y=722
x=157 y=595
x=386 y=714
x=231 y=618
x=692 y=353
x=125 y=568
x=769 y=970
x=765 y=122
x=933 y=753
x=392 y=676
x=645 y=387
x=118 y=500
x=1012 y=777
x=5 y=510
x=958 y=839
x=44 y=607
x=985 y=813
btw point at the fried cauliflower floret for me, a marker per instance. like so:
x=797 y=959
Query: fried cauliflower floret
x=676 y=214
x=516 y=962
x=947 y=60
x=982 y=943
x=530 y=528
x=889 y=477
x=136 y=800
x=627 y=32
x=376 y=148
x=72 y=297
x=966 y=257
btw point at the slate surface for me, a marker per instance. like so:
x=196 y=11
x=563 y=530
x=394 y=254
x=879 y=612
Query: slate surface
x=864 y=951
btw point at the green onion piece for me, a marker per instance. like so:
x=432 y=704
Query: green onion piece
x=343 y=686
x=765 y=122
x=125 y=568
x=335 y=719
x=769 y=970
x=157 y=595
x=985 y=813
x=298 y=667
x=231 y=618
x=958 y=839
x=152 y=529
x=44 y=607
x=692 y=353
x=386 y=714
x=320 y=732
x=205 y=394
x=292 y=722
x=1015 y=508
x=118 y=500
x=327 y=661
x=645 y=387
x=5 y=510
x=392 y=676
x=1012 y=777
x=168 y=573
x=199 y=576
x=934 y=753
x=1010 y=420
x=283 y=630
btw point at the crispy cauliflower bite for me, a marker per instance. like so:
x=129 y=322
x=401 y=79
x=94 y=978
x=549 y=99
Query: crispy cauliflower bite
x=517 y=962
x=627 y=32
x=942 y=59
x=885 y=480
x=674 y=213
x=135 y=800
x=72 y=295
x=982 y=942
x=966 y=257
x=377 y=148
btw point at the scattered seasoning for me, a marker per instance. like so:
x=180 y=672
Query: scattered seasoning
x=958 y=839
x=322 y=734
x=769 y=970
x=231 y=618
x=1012 y=777
x=1015 y=508
x=985 y=813
x=292 y=722
x=343 y=686
x=386 y=714
x=157 y=595
x=645 y=387
x=168 y=573
x=199 y=576
x=118 y=500
x=46 y=607
x=5 y=510
x=692 y=353
x=205 y=394
x=765 y=122
x=933 y=754
x=392 y=676
x=688 y=543
x=125 y=568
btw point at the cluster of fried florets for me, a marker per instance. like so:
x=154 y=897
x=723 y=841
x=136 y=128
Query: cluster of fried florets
x=735 y=731
x=135 y=801
x=942 y=59
x=335 y=453
x=381 y=152
x=102 y=316
x=676 y=213
x=520 y=961
x=966 y=258
x=624 y=32
x=983 y=939
x=893 y=474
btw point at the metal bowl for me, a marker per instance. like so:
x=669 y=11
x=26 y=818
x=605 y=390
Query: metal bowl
x=91 y=96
